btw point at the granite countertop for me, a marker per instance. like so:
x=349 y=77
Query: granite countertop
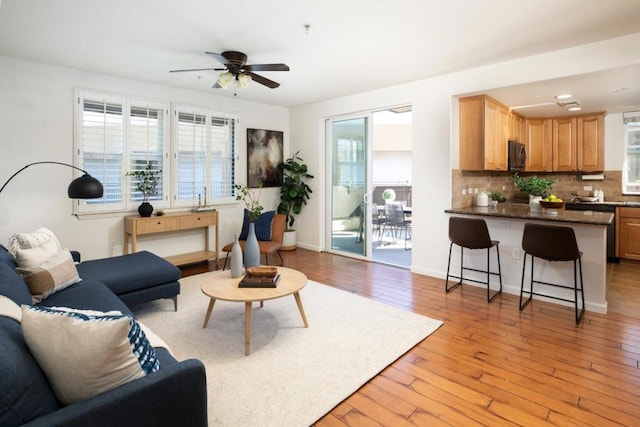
x=521 y=211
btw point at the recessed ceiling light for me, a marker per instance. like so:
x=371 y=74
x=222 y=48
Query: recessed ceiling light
x=563 y=96
x=574 y=109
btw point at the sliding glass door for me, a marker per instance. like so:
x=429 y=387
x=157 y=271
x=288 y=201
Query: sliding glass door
x=348 y=220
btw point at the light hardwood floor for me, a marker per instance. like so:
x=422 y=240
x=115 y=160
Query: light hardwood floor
x=490 y=364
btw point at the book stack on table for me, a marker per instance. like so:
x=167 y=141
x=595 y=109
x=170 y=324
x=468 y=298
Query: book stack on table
x=260 y=277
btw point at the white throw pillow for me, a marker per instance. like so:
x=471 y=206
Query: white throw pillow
x=54 y=274
x=84 y=353
x=36 y=255
x=31 y=240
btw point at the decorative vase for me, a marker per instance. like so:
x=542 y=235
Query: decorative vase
x=534 y=203
x=145 y=209
x=236 y=258
x=251 y=248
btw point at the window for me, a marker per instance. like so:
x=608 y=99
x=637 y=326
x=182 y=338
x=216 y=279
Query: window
x=118 y=134
x=204 y=154
x=631 y=168
x=114 y=135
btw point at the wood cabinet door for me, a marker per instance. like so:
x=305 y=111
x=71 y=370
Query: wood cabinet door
x=564 y=144
x=471 y=152
x=537 y=139
x=496 y=122
x=629 y=242
x=516 y=127
x=590 y=143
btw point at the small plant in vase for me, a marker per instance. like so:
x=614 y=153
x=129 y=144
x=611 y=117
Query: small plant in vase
x=252 y=202
x=535 y=187
x=147 y=184
x=495 y=196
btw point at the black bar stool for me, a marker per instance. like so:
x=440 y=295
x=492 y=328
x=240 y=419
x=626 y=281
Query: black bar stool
x=472 y=233
x=552 y=243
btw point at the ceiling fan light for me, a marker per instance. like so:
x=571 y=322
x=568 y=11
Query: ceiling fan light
x=243 y=81
x=224 y=79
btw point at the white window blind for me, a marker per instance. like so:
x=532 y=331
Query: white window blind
x=115 y=135
x=101 y=148
x=147 y=133
x=204 y=156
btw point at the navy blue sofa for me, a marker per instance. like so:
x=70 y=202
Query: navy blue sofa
x=174 y=395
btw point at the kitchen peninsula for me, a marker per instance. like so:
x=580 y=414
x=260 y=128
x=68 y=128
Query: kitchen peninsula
x=506 y=224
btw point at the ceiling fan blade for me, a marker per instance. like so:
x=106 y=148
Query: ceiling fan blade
x=262 y=80
x=216 y=85
x=218 y=57
x=266 y=67
x=196 y=69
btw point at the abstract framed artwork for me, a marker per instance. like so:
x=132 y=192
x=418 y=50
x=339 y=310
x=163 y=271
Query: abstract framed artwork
x=264 y=158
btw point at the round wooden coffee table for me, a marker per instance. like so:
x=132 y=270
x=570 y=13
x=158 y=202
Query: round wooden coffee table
x=221 y=286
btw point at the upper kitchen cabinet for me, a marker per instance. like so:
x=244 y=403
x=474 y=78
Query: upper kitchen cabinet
x=590 y=143
x=484 y=130
x=537 y=139
x=516 y=127
x=565 y=139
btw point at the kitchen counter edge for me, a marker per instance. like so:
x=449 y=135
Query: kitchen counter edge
x=521 y=211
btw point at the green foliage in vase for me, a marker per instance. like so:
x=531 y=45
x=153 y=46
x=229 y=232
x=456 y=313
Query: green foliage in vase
x=146 y=181
x=251 y=201
x=533 y=186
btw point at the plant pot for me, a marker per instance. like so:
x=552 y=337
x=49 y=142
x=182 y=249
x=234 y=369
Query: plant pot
x=145 y=209
x=289 y=241
x=534 y=204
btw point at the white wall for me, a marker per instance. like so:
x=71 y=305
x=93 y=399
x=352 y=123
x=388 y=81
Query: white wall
x=36 y=123
x=435 y=142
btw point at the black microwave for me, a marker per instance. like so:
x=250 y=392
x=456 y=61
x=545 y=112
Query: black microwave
x=517 y=156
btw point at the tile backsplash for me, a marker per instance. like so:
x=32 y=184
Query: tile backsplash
x=565 y=185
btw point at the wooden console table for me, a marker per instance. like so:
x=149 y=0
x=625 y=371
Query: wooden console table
x=135 y=226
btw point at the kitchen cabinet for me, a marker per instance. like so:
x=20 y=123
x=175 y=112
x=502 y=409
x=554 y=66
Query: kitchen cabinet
x=628 y=233
x=537 y=139
x=484 y=128
x=516 y=127
x=590 y=142
x=564 y=138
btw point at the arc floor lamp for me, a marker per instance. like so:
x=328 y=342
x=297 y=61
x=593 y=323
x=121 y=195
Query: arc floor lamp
x=84 y=187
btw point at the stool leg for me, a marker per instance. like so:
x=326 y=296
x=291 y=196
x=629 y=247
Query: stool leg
x=498 y=292
x=524 y=264
x=446 y=283
x=575 y=286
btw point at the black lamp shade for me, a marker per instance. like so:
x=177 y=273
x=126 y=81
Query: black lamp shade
x=85 y=187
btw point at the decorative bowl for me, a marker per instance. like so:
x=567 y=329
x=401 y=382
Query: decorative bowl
x=587 y=198
x=552 y=205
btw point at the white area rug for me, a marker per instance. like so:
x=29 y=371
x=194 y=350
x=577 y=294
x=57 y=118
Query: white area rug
x=293 y=375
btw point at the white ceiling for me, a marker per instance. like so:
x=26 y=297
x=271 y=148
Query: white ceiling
x=351 y=46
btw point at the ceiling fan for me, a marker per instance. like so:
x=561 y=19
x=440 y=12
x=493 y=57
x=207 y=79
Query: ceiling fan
x=236 y=69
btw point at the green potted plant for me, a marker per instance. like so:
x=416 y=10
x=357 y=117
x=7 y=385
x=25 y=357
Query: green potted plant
x=294 y=194
x=535 y=187
x=496 y=195
x=389 y=195
x=147 y=184
x=251 y=201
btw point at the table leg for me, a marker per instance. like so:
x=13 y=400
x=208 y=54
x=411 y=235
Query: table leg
x=299 y=302
x=209 y=310
x=247 y=328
